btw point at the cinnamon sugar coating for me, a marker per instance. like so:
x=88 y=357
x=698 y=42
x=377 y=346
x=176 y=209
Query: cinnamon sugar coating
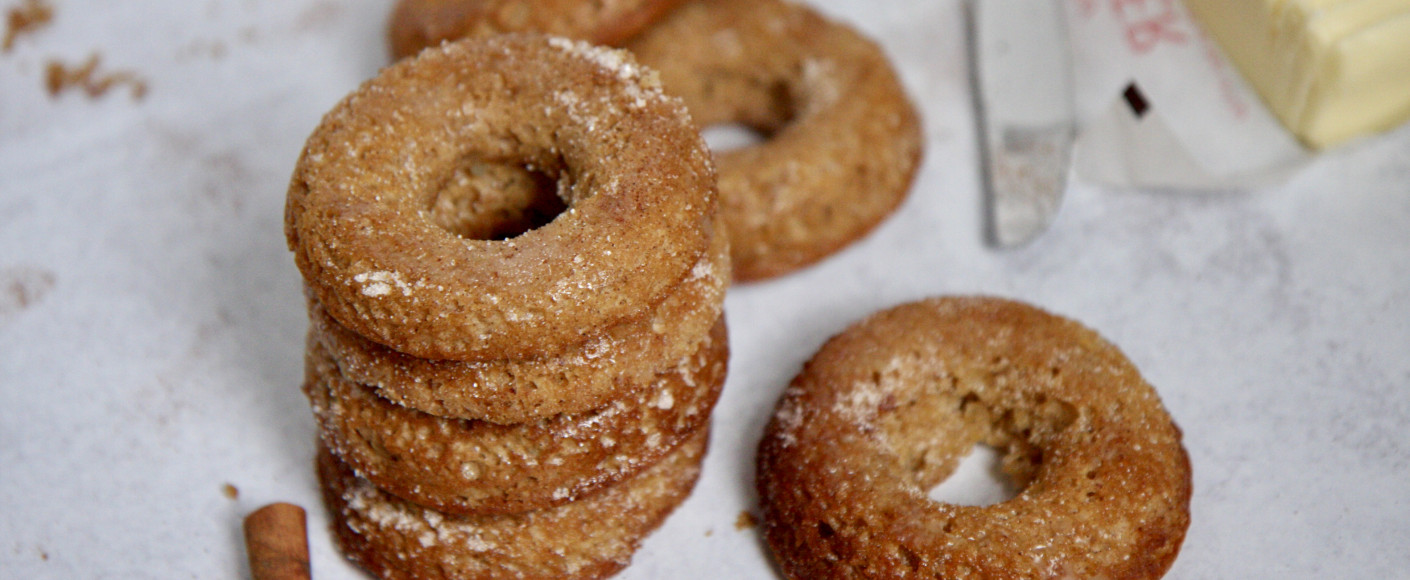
x=842 y=141
x=884 y=411
x=474 y=467
x=591 y=538
x=627 y=161
x=417 y=24
x=609 y=365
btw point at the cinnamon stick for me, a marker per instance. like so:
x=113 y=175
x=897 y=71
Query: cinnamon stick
x=276 y=540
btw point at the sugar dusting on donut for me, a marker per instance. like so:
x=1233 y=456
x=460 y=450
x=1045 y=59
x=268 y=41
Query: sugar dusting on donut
x=380 y=283
x=789 y=417
x=608 y=58
x=429 y=528
x=860 y=403
x=642 y=84
x=820 y=78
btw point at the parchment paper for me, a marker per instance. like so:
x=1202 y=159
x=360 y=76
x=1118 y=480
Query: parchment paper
x=1200 y=126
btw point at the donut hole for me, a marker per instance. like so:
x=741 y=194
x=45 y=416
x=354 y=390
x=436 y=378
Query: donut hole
x=725 y=137
x=978 y=480
x=972 y=451
x=965 y=455
x=484 y=199
x=743 y=111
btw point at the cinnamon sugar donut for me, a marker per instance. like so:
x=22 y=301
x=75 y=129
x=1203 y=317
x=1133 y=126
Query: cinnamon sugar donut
x=474 y=467
x=628 y=163
x=587 y=376
x=591 y=538
x=417 y=24
x=842 y=141
x=885 y=409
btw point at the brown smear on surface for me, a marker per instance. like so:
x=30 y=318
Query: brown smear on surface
x=24 y=19
x=59 y=77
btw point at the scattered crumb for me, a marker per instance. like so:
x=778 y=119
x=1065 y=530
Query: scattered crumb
x=43 y=554
x=22 y=287
x=32 y=15
x=24 y=19
x=745 y=521
x=59 y=77
x=230 y=491
x=709 y=532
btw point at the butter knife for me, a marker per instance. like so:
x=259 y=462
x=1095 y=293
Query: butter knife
x=1022 y=79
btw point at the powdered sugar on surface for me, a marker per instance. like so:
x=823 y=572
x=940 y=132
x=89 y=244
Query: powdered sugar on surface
x=860 y=403
x=641 y=84
x=789 y=417
x=430 y=527
x=665 y=400
x=381 y=283
x=618 y=61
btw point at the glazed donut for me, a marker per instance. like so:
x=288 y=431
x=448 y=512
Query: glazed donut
x=842 y=139
x=417 y=24
x=884 y=410
x=474 y=467
x=585 y=377
x=591 y=538
x=626 y=160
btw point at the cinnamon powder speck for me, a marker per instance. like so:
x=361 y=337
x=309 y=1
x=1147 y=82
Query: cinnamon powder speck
x=24 y=19
x=60 y=77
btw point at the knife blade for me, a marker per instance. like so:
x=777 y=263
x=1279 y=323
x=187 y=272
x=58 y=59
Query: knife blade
x=1022 y=79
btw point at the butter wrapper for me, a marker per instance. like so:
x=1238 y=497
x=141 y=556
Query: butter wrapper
x=1159 y=105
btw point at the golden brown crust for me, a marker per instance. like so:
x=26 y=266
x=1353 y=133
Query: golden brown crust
x=417 y=24
x=842 y=139
x=474 y=467
x=884 y=410
x=607 y=366
x=627 y=161
x=591 y=538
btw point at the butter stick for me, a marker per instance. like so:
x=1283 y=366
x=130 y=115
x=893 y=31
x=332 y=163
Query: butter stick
x=1331 y=70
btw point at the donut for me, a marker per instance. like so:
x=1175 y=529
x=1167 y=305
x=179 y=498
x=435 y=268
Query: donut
x=841 y=140
x=417 y=24
x=884 y=410
x=591 y=538
x=585 y=377
x=625 y=159
x=474 y=467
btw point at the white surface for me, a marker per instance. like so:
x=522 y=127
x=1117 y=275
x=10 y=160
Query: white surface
x=151 y=323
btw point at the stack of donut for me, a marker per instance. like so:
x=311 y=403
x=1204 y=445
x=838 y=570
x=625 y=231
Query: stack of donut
x=516 y=299
x=840 y=140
